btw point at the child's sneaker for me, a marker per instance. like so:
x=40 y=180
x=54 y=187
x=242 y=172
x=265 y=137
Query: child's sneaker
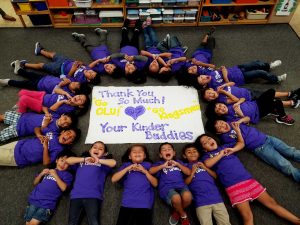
x=274 y=64
x=22 y=63
x=282 y=77
x=4 y=82
x=18 y=64
x=99 y=31
x=77 y=36
x=287 y=120
x=211 y=31
x=174 y=218
x=185 y=221
x=38 y=48
x=294 y=94
x=296 y=103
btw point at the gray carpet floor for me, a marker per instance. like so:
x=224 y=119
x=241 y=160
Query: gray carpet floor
x=235 y=45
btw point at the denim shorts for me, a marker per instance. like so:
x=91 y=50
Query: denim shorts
x=40 y=214
x=172 y=192
x=54 y=67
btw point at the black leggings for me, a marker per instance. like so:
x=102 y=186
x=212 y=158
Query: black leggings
x=134 y=216
x=210 y=44
x=267 y=103
x=90 y=44
x=31 y=84
x=134 y=40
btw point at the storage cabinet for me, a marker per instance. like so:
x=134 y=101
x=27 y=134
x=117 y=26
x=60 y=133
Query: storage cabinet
x=111 y=13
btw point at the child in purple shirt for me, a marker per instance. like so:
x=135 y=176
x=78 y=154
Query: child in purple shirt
x=42 y=148
x=138 y=194
x=48 y=83
x=237 y=181
x=206 y=196
x=129 y=59
x=99 y=52
x=270 y=149
x=265 y=104
x=228 y=93
x=172 y=188
x=21 y=125
x=240 y=74
x=49 y=186
x=58 y=104
x=87 y=192
x=60 y=65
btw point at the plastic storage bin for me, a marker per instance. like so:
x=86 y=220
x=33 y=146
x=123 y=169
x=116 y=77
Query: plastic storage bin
x=58 y=3
x=179 y=13
x=178 y=20
x=111 y=16
x=62 y=19
x=189 y=19
x=181 y=2
x=168 y=20
x=79 y=17
x=155 y=13
x=83 y=3
x=156 y=3
x=25 y=7
x=258 y=15
x=193 y=2
x=132 y=3
x=133 y=14
x=169 y=2
x=191 y=12
x=144 y=3
x=221 y=1
x=157 y=20
x=40 y=6
x=168 y=13
x=143 y=14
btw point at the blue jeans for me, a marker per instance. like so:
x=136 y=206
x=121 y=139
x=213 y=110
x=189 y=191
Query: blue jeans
x=54 y=67
x=40 y=214
x=274 y=151
x=150 y=38
x=257 y=69
x=91 y=207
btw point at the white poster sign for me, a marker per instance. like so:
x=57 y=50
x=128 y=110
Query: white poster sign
x=149 y=114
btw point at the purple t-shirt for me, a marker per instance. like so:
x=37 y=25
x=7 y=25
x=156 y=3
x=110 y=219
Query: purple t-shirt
x=99 y=53
x=89 y=181
x=253 y=138
x=78 y=75
x=169 y=178
x=30 y=151
x=203 y=55
x=138 y=191
x=249 y=108
x=203 y=188
x=177 y=53
x=51 y=99
x=48 y=83
x=237 y=92
x=216 y=79
x=229 y=169
x=27 y=122
x=236 y=75
x=46 y=193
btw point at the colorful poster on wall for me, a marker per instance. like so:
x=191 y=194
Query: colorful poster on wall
x=149 y=114
x=285 y=7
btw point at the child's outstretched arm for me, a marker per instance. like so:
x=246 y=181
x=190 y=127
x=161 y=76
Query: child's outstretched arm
x=108 y=162
x=200 y=63
x=189 y=179
x=46 y=156
x=58 y=104
x=230 y=97
x=146 y=53
x=60 y=91
x=209 y=171
x=74 y=160
x=38 y=178
x=60 y=183
x=212 y=161
x=155 y=169
x=225 y=74
x=118 y=175
x=75 y=66
x=165 y=54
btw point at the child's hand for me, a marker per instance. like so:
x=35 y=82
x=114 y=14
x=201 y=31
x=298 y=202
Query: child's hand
x=44 y=172
x=53 y=172
x=228 y=151
x=140 y=168
x=201 y=165
x=236 y=126
x=194 y=168
x=42 y=138
x=129 y=58
x=67 y=101
x=65 y=82
x=171 y=163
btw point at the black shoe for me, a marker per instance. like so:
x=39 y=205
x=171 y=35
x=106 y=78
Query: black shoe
x=126 y=24
x=295 y=94
x=211 y=31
